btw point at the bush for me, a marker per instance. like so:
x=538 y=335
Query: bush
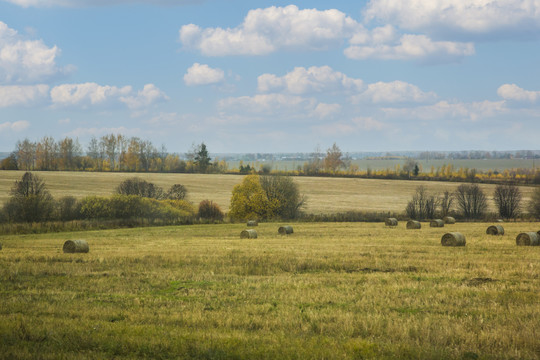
x=283 y=191
x=140 y=187
x=177 y=192
x=30 y=200
x=534 y=204
x=209 y=210
x=95 y=207
x=68 y=209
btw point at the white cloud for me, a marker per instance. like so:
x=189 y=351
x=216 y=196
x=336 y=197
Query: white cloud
x=202 y=74
x=82 y=132
x=14 y=126
x=313 y=79
x=264 y=31
x=84 y=3
x=24 y=95
x=368 y=124
x=408 y=47
x=91 y=94
x=467 y=112
x=323 y=110
x=514 y=92
x=355 y=126
x=86 y=94
x=25 y=61
x=149 y=95
x=269 y=103
x=394 y=92
x=459 y=17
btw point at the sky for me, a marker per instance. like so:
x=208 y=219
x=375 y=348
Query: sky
x=273 y=76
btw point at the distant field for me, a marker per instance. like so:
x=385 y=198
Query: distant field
x=483 y=165
x=328 y=291
x=324 y=195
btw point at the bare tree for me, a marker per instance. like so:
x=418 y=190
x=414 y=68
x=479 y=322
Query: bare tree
x=422 y=206
x=471 y=201
x=333 y=160
x=508 y=200
x=446 y=202
x=534 y=204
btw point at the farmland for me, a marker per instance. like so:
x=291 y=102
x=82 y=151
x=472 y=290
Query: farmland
x=324 y=195
x=330 y=290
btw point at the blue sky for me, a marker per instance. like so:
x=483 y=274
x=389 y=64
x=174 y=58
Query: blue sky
x=272 y=76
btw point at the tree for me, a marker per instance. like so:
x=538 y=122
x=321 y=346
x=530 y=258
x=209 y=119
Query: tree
x=249 y=201
x=534 y=204
x=507 y=198
x=411 y=166
x=9 y=163
x=285 y=193
x=201 y=159
x=446 y=203
x=177 y=192
x=140 y=187
x=93 y=152
x=333 y=160
x=422 y=206
x=209 y=210
x=30 y=200
x=26 y=154
x=471 y=201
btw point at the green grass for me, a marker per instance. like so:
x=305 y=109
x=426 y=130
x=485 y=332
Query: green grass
x=324 y=195
x=330 y=290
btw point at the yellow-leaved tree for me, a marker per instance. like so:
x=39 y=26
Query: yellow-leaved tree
x=249 y=201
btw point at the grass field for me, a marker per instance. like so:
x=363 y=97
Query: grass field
x=328 y=291
x=324 y=195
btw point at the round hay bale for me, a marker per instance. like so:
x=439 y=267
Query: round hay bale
x=453 y=239
x=391 y=222
x=248 y=234
x=285 y=230
x=413 y=224
x=528 y=239
x=495 y=230
x=252 y=223
x=76 y=246
x=436 y=223
x=449 y=220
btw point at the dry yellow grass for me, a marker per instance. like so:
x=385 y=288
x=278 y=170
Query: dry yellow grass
x=324 y=195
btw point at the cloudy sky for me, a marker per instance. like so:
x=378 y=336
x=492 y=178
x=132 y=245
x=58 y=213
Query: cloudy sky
x=273 y=76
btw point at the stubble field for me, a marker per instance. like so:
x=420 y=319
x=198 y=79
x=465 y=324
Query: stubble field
x=324 y=195
x=328 y=291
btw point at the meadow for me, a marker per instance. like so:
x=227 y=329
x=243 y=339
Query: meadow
x=328 y=291
x=324 y=195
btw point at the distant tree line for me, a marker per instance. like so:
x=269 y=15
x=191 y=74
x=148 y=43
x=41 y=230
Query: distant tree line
x=108 y=153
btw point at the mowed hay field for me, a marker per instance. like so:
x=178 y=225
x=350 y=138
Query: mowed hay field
x=328 y=291
x=324 y=195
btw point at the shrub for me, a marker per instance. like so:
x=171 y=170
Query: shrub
x=284 y=192
x=177 y=192
x=140 y=187
x=534 y=204
x=209 y=210
x=68 y=209
x=95 y=207
x=30 y=200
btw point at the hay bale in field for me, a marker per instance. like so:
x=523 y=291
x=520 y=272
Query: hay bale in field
x=449 y=220
x=391 y=222
x=285 y=230
x=453 y=239
x=248 y=234
x=528 y=239
x=252 y=223
x=76 y=246
x=413 y=224
x=495 y=230
x=436 y=223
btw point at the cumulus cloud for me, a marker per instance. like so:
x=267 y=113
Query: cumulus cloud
x=91 y=94
x=323 y=110
x=264 y=31
x=23 y=95
x=476 y=17
x=14 y=126
x=149 y=95
x=202 y=74
x=394 y=92
x=386 y=46
x=84 y=3
x=26 y=61
x=310 y=80
x=515 y=93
